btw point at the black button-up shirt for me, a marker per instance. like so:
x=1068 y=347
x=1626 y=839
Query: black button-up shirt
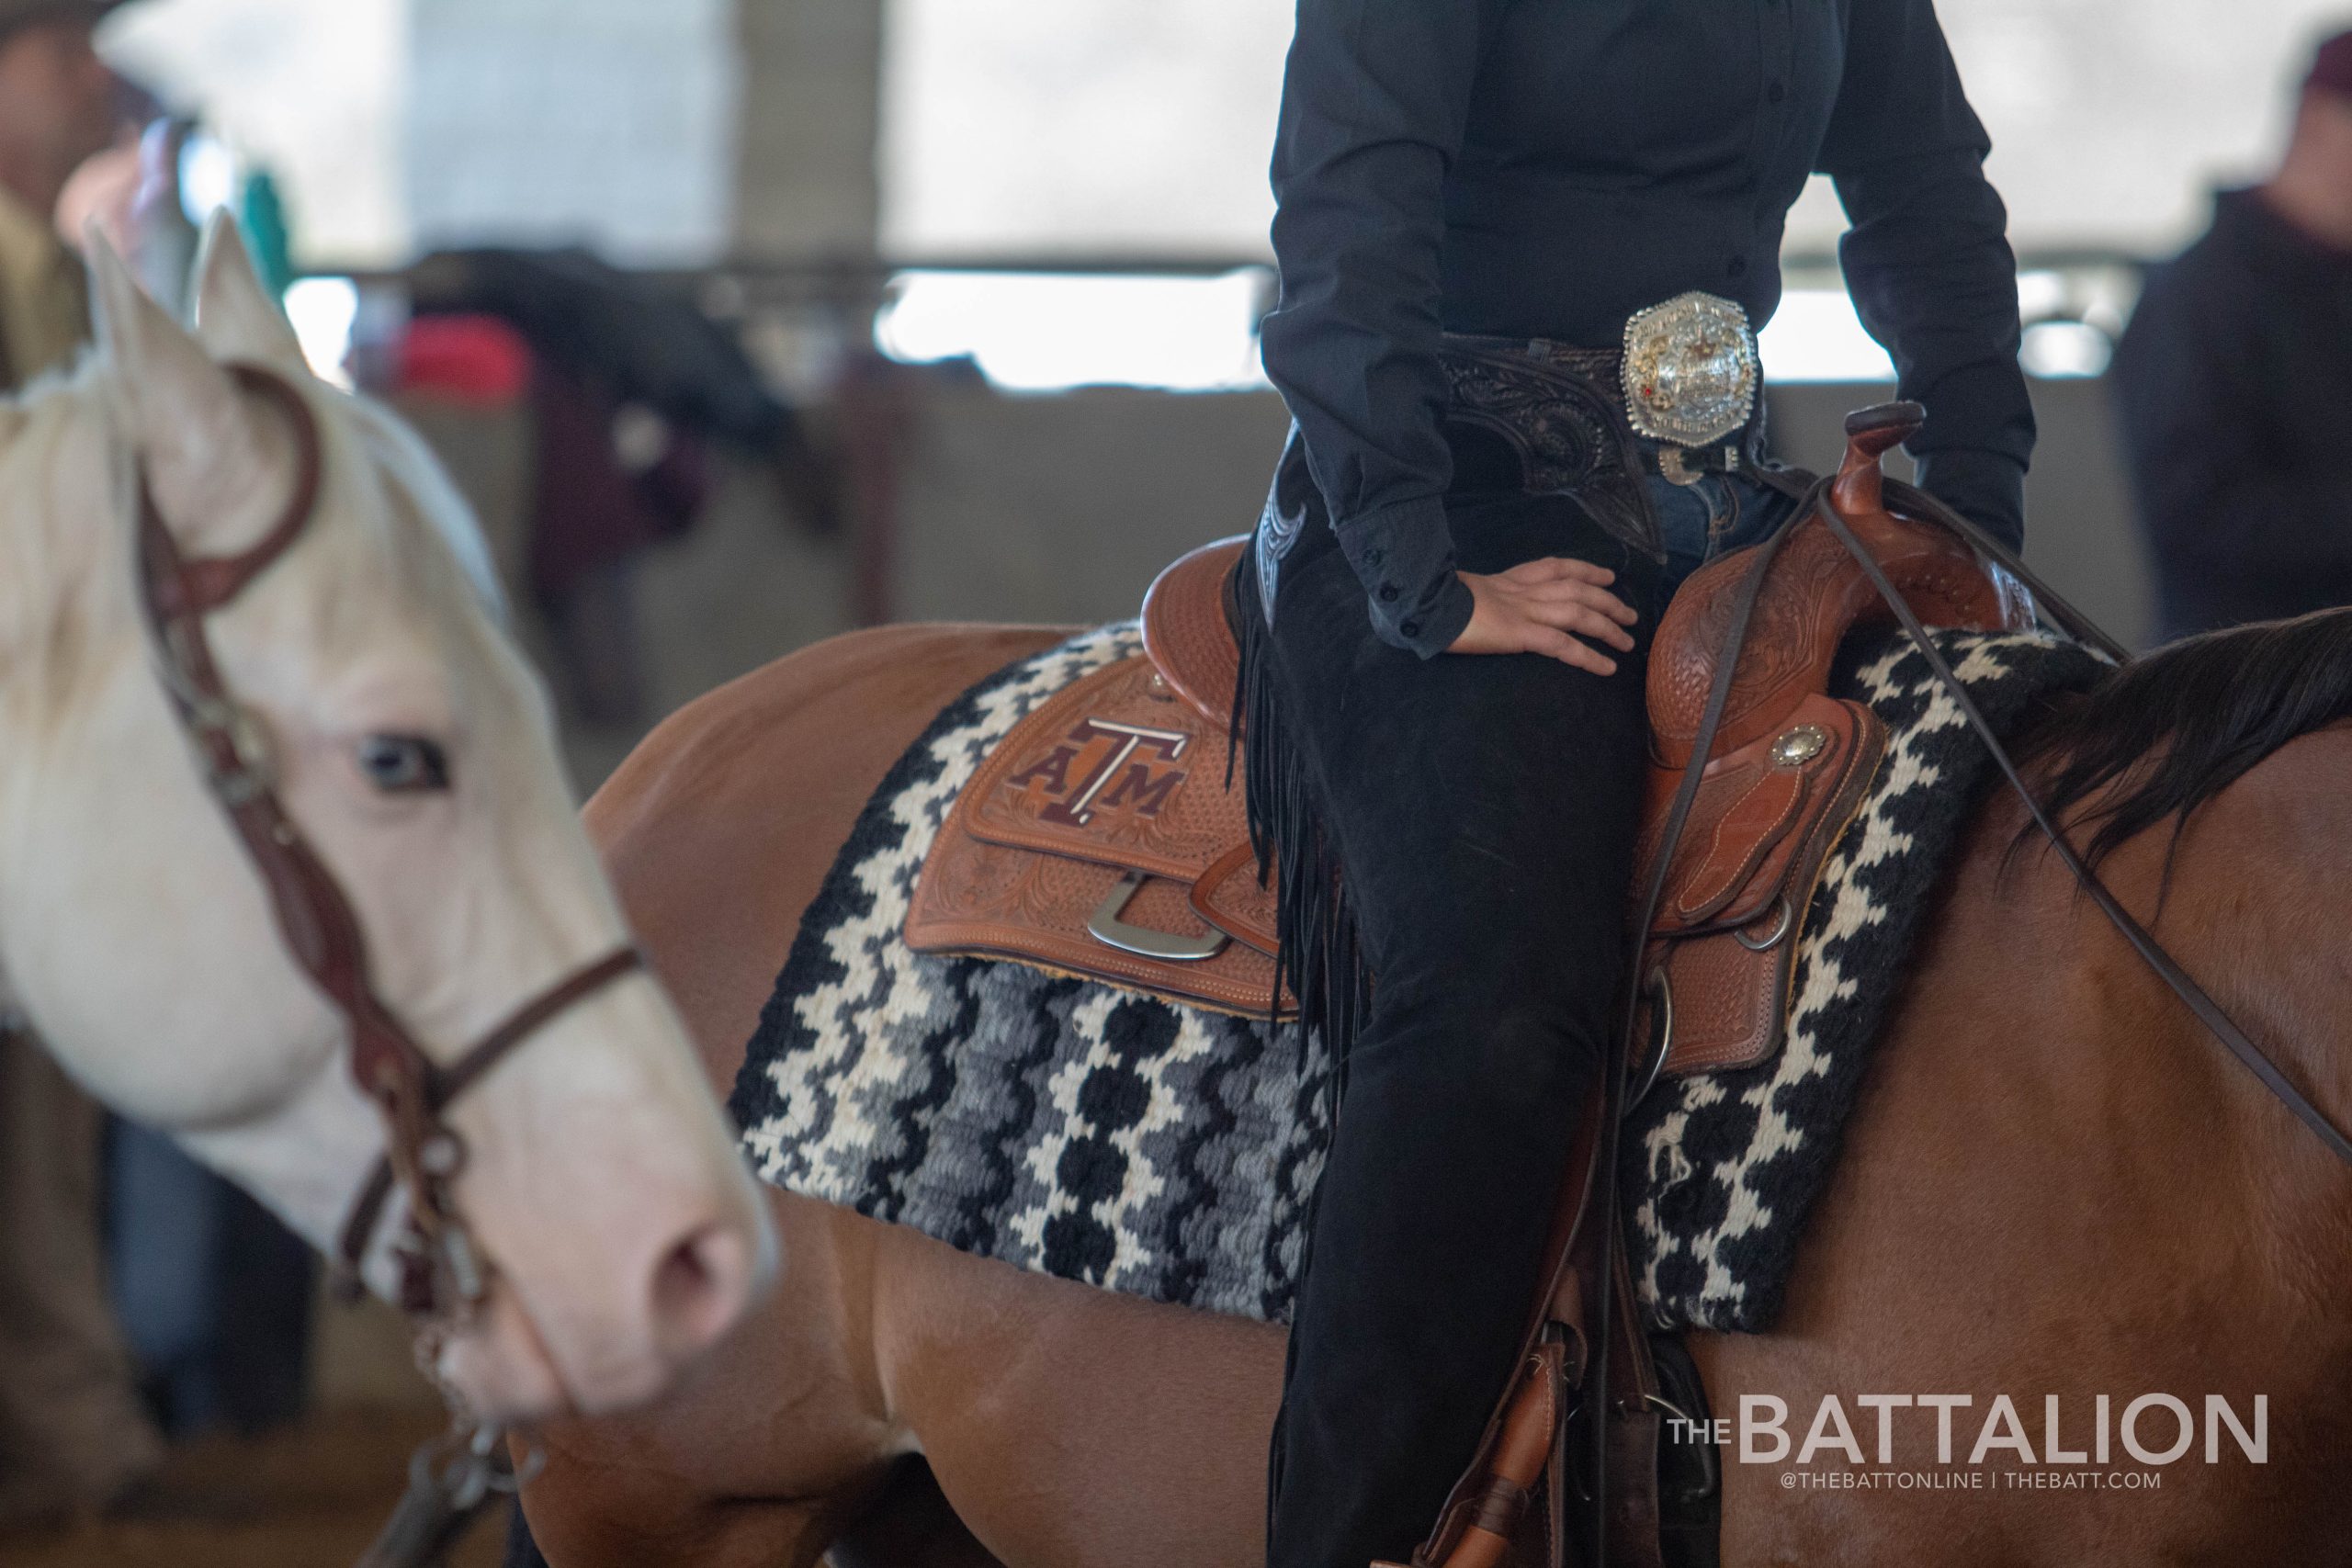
x=1545 y=168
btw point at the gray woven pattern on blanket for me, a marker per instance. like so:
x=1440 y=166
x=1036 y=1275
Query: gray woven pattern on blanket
x=1168 y=1153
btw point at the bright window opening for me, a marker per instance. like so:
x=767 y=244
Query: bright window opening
x=1051 y=331
x=325 y=311
x=1042 y=332
x=1817 y=337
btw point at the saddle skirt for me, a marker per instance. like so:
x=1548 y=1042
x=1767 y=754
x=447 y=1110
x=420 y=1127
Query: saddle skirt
x=1106 y=836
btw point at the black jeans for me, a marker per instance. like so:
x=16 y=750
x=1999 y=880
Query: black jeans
x=1483 y=813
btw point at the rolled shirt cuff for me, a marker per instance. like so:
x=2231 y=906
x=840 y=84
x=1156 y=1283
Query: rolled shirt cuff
x=1986 y=487
x=1404 y=556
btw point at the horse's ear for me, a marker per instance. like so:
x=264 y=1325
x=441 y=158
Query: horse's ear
x=216 y=472
x=235 y=317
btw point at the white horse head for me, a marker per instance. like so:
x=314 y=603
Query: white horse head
x=415 y=753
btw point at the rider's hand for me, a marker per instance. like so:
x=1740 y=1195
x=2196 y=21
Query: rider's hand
x=1555 y=606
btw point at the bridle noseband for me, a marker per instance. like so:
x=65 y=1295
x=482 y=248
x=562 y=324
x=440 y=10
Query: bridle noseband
x=443 y=1276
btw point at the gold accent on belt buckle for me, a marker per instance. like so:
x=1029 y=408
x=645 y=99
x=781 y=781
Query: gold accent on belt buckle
x=1690 y=369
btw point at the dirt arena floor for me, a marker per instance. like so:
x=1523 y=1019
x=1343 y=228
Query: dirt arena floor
x=313 y=1497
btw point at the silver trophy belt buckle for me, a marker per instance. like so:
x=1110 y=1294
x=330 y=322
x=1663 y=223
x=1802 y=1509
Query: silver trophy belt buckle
x=1690 y=372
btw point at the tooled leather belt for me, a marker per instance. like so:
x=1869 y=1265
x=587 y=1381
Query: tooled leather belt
x=1548 y=418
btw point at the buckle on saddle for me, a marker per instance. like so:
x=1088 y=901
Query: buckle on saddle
x=1691 y=374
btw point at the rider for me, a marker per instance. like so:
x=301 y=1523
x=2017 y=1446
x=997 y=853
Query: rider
x=1522 y=246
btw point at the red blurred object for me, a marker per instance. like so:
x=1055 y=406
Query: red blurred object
x=2331 y=67
x=470 y=359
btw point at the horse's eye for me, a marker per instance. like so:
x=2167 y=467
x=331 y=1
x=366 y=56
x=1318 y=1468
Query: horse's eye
x=404 y=764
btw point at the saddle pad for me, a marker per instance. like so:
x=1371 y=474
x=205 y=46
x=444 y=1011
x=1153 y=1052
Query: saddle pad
x=1172 y=1153
x=1060 y=1124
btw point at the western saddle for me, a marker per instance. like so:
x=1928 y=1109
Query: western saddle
x=1105 y=837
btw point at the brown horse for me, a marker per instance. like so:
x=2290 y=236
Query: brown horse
x=2055 y=1185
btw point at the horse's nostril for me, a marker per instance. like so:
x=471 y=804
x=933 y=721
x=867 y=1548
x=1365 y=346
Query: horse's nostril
x=700 y=1287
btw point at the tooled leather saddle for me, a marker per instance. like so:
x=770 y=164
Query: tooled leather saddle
x=1105 y=836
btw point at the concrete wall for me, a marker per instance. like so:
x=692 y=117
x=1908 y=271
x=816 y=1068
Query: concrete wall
x=610 y=123
x=812 y=114
x=1059 y=509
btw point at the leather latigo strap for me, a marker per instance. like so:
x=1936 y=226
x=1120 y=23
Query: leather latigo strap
x=442 y=1272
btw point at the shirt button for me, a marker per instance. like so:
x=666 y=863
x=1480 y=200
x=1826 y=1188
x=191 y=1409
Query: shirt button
x=1411 y=629
x=1388 y=593
x=1777 y=91
x=1373 y=557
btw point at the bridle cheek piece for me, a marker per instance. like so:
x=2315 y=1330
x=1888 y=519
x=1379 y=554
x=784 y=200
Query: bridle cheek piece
x=444 y=1275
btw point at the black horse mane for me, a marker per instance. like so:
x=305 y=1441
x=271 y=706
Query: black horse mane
x=2178 y=727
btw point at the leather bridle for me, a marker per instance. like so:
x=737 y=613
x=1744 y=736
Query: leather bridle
x=443 y=1276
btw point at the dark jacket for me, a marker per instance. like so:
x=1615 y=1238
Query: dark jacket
x=1543 y=168
x=2233 y=385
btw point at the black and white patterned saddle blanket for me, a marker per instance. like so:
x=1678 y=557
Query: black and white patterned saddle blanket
x=1162 y=1151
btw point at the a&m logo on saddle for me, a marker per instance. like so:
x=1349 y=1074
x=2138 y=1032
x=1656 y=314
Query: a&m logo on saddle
x=1104 y=767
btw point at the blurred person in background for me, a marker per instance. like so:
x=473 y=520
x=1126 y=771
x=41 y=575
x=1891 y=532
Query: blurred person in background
x=72 y=1433
x=105 y=190
x=2234 y=386
x=57 y=111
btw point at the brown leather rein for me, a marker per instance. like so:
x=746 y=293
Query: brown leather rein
x=444 y=1275
x=2143 y=942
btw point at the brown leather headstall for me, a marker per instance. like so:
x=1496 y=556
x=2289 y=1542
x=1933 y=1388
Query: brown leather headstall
x=443 y=1277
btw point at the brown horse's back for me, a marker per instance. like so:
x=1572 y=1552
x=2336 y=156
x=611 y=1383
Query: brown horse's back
x=2053 y=1185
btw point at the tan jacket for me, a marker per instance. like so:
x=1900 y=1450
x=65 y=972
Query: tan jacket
x=44 y=311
